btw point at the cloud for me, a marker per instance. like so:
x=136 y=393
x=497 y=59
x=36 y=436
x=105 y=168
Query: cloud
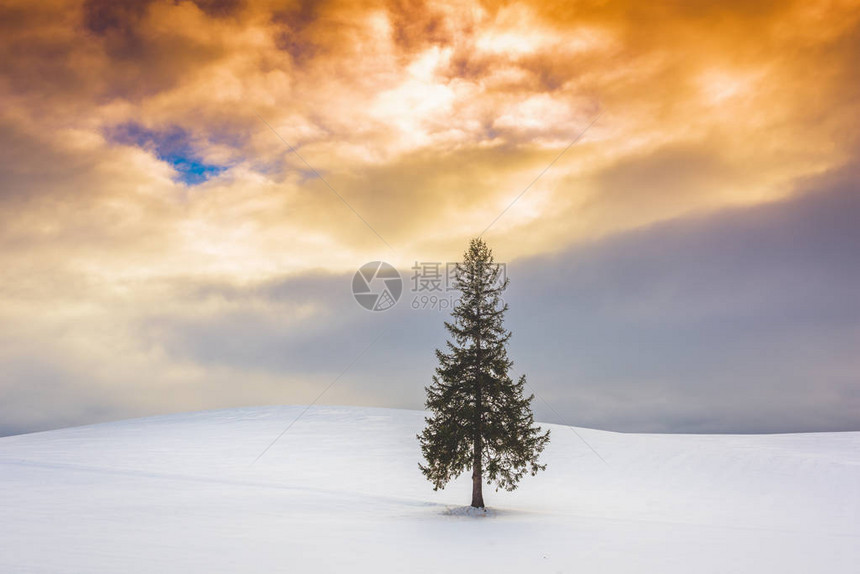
x=741 y=321
x=145 y=202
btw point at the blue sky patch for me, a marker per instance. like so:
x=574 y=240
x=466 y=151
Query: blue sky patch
x=172 y=145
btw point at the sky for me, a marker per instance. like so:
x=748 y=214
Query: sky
x=187 y=189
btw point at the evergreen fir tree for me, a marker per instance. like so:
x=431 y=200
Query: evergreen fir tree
x=480 y=418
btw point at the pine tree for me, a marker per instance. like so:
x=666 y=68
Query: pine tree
x=480 y=419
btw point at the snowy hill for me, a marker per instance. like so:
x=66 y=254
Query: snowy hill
x=341 y=492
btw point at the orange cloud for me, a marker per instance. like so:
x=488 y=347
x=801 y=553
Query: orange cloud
x=427 y=119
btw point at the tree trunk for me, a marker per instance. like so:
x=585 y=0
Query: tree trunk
x=477 y=475
x=477 y=466
x=477 y=485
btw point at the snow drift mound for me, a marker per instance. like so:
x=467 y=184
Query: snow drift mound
x=341 y=491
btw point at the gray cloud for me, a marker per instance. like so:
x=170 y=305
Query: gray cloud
x=741 y=321
x=744 y=320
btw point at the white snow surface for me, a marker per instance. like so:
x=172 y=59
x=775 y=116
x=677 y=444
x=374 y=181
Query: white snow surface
x=341 y=492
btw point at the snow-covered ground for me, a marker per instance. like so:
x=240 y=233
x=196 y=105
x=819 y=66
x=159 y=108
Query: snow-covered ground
x=341 y=492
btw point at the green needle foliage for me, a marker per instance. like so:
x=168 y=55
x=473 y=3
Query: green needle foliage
x=480 y=418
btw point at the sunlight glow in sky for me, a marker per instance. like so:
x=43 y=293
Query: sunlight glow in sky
x=141 y=187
